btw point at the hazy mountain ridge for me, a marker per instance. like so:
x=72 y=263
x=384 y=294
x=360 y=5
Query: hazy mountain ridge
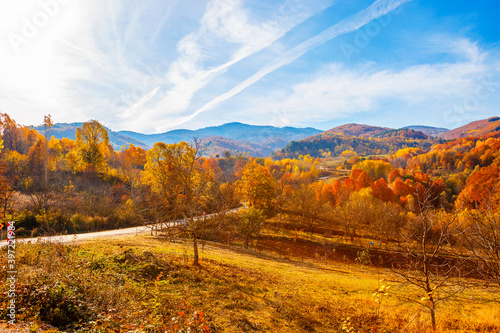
x=218 y=145
x=428 y=130
x=269 y=136
x=259 y=141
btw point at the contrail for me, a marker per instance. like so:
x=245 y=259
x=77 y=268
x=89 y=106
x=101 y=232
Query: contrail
x=377 y=9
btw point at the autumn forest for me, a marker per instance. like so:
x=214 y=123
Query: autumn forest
x=410 y=210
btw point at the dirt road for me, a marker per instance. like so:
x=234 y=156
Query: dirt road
x=74 y=238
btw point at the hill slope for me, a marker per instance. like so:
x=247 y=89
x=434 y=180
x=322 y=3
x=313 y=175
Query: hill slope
x=475 y=128
x=217 y=145
x=365 y=131
x=363 y=139
x=428 y=130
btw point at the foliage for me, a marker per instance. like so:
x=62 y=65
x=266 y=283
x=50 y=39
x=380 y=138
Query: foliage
x=258 y=187
x=250 y=223
x=92 y=146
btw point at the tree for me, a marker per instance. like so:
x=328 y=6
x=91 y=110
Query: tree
x=258 y=187
x=250 y=223
x=360 y=178
x=482 y=189
x=184 y=188
x=36 y=184
x=47 y=124
x=132 y=161
x=92 y=146
x=13 y=136
x=482 y=239
x=304 y=201
x=427 y=261
x=382 y=191
x=376 y=169
x=6 y=192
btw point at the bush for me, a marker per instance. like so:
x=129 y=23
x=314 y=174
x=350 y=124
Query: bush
x=27 y=220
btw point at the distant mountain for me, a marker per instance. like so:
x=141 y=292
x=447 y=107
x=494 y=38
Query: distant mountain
x=475 y=128
x=268 y=136
x=428 y=130
x=259 y=141
x=117 y=140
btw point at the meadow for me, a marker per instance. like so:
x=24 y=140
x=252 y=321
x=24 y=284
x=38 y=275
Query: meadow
x=144 y=284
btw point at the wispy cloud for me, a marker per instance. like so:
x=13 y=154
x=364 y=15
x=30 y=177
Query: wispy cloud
x=224 y=26
x=337 y=92
x=376 y=10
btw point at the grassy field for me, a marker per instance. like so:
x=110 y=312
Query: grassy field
x=141 y=284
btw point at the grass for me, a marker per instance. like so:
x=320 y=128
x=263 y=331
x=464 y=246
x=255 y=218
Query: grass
x=140 y=284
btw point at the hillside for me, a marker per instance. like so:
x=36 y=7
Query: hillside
x=428 y=130
x=363 y=139
x=361 y=130
x=218 y=145
x=235 y=290
x=475 y=128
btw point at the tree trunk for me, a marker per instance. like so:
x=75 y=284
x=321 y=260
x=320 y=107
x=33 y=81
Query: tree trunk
x=433 y=318
x=246 y=242
x=195 y=251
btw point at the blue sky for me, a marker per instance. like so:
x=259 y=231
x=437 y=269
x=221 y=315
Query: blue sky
x=160 y=65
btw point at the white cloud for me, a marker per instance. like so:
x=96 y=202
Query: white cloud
x=337 y=91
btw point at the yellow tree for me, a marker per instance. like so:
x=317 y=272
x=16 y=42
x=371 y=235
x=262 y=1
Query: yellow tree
x=92 y=146
x=47 y=124
x=258 y=187
x=183 y=188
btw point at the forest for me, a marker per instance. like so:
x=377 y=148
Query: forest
x=423 y=210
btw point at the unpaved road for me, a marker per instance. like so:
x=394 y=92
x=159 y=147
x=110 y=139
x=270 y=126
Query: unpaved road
x=86 y=236
x=73 y=238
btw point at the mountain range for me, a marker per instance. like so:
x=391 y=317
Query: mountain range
x=259 y=141
x=262 y=141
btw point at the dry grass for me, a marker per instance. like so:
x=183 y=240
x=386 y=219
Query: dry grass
x=140 y=284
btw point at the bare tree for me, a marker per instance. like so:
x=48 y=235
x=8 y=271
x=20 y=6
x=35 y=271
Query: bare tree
x=427 y=260
x=483 y=239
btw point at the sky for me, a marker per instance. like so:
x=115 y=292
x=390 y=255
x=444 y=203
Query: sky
x=158 y=65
